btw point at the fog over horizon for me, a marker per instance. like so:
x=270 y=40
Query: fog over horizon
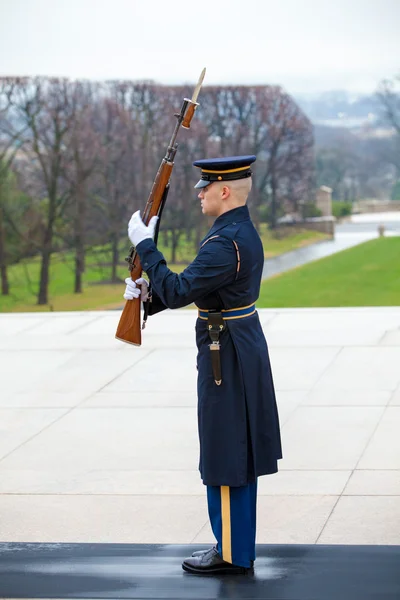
x=338 y=46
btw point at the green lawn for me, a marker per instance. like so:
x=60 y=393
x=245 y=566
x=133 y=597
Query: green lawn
x=98 y=294
x=367 y=275
x=274 y=242
x=284 y=240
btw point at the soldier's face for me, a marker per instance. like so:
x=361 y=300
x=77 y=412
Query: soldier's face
x=211 y=198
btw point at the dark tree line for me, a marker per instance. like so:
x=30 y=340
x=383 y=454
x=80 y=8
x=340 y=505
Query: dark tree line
x=78 y=158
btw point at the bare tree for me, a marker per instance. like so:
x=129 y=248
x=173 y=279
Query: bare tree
x=113 y=170
x=283 y=141
x=47 y=110
x=10 y=138
x=82 y=147
x=389 y=97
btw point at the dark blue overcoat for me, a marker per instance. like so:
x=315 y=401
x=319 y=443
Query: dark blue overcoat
x=238 y=420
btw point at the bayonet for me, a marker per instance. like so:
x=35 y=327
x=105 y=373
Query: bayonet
x=198 y=86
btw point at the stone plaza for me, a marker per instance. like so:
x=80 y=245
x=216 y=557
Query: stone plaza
x=99 y=438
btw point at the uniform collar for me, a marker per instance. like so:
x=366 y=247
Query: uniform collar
x=229 y=218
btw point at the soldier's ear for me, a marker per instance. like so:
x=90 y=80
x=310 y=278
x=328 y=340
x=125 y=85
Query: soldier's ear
x=225 y=192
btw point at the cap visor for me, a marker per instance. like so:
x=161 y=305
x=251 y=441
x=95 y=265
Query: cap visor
x=202 y=184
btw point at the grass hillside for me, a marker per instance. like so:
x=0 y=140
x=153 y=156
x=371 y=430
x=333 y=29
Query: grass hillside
x=98 y=294
x=366 y=275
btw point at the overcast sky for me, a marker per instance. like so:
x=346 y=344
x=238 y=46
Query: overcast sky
x=303 y=45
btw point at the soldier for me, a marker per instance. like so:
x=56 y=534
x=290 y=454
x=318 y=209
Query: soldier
x=237 y=414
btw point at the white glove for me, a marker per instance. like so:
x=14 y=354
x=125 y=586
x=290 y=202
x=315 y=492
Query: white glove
x=138 y=231
x=132 y=291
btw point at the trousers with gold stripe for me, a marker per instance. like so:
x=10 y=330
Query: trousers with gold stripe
x=232 y=512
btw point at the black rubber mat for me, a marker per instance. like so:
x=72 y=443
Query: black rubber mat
x=154 y=571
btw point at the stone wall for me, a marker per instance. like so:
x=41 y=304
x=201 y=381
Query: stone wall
x=376 y=206
x=323 y=224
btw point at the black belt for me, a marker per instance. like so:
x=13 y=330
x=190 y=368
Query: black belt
x=230 y=313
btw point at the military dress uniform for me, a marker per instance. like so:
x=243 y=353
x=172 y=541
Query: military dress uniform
x=237 y=414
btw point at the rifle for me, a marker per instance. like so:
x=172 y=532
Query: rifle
x=129 y=329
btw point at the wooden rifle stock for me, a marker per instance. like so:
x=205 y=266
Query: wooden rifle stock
x=129 y=327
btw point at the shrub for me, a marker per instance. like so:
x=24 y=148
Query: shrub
x=395 y=195
x=341 y=209
x=264 y=212
x=309 y=210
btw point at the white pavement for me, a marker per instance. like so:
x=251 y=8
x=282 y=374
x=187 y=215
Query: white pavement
x=378 y=217
x=98 y=439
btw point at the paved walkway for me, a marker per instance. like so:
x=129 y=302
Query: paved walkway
x=355 y=230
x=98 y=439
x=301 y=256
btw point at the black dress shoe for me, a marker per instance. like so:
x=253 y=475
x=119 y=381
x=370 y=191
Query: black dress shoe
x=201 y=552
x=211 y=563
